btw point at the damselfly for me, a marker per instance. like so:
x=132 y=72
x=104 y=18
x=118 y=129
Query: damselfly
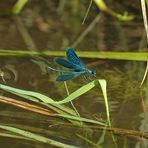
x=75 y=67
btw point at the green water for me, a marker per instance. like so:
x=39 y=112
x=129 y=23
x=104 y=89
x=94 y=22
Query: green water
x=56 y=26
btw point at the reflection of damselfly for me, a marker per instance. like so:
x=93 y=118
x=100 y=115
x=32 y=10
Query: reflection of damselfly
x=76 y=67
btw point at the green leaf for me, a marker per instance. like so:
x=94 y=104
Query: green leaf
x=18 y=6
x=72 y=96
x=77 y=93
x=36 y=95
x=83 y=119
x=136 y=56
x=103 y=87
x=36 y=137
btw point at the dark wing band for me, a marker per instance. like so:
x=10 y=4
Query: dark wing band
x=64 y=63
x=74 y=59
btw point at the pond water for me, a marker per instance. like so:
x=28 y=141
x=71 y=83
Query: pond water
x=53 y=26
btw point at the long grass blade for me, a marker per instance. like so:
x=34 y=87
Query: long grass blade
x=134 y=56
x=36 y=137
x=62 y=111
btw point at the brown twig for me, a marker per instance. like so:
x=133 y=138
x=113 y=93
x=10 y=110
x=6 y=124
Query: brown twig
x=26 y=106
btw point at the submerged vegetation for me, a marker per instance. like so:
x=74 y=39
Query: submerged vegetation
x=106 y=111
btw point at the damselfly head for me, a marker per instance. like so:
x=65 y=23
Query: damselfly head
x=92 y=72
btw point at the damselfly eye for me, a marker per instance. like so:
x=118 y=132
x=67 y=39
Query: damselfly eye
x=93 y=72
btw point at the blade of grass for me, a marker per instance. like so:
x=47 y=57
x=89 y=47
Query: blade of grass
x=36 y=137
x=62 y=110
x=82 y=119
x=103 y=87
x=86 y=88
x=34 y=96
x=69 y=98
x=134 y=56
x=39 y=96
x=18 y=6
x=143 y=6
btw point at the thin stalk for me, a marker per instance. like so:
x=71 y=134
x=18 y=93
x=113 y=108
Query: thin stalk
x=65 y=84
x=143 y=6
x=86 y=14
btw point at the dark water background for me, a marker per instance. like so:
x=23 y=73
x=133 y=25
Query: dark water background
x=52 y=26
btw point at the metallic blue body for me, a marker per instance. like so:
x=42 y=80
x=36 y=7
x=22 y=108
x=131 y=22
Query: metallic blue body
x=74 y=65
